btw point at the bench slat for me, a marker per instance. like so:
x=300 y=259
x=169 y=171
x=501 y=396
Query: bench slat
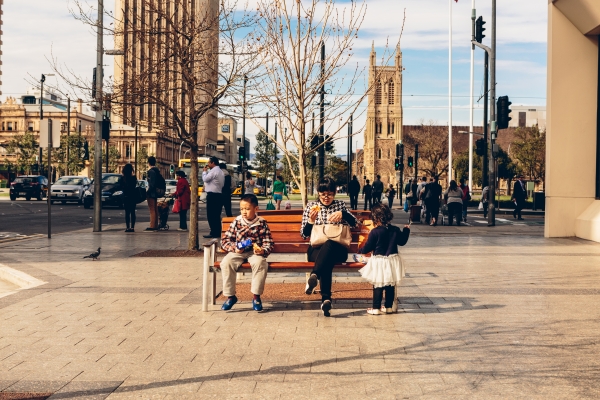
x=299 y=265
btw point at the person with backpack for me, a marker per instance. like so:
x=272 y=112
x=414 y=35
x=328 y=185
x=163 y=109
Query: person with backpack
x=156 y=189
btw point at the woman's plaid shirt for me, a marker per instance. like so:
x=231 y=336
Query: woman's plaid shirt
x=240 y=230
x=324 y=213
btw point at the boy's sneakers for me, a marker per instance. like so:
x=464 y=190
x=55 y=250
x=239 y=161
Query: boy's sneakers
x=326 y=308
x=257 y=305
x=229 y=303
x=311 y=284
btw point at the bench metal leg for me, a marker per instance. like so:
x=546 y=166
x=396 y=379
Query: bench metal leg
x=213 y=296
x=208 y=257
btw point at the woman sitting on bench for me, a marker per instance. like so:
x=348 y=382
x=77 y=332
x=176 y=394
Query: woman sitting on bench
x=325 y=211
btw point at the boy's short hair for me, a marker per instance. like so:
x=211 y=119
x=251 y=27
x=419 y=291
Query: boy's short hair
x=250 y=198
x=152 y=161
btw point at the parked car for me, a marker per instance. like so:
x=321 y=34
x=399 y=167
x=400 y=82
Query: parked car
x=142 y=184
x=112 y=195
x=70 y=188
x=29 y=186
x=171 y=186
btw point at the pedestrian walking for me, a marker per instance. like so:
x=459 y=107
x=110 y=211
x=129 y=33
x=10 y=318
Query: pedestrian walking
x=519 y=196
x=367 y=195
x=377 y=189
x=391 y=194
x=228 y=188
x=324 y=251
x=431 y=197
x=183 y=197
x=384 y=268
x=213 y=185
x=279 y=190
x=465 y=199
x=156 y=190
x=453 y=196
x=354 y=191
x=408 y=193
x=128 y=184
x=484 y=200
x=249 y=184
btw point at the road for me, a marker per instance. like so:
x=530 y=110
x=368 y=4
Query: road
x=31 y=217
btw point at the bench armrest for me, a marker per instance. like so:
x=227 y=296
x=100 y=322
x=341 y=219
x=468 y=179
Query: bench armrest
x=210 y=243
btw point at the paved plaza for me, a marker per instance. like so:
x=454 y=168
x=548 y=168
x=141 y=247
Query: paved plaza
x=485 y=313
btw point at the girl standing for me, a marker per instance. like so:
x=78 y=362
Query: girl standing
x=384 y=268
x=183 y=196
x=128 y=184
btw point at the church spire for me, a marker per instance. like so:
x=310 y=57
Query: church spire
x=373 y=55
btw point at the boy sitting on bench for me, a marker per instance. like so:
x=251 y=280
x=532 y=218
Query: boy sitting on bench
x=248 y=238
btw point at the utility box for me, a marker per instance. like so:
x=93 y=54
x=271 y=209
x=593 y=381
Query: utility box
x=539 y=201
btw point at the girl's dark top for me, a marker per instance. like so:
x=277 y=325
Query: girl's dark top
x=384 y=240
x=129 y=188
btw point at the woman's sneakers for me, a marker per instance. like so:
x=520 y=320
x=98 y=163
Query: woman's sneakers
x=311 y=284
x=373 y=311
x=326 y=308
x=229 y=303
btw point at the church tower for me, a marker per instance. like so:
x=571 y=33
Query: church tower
x=384 y=119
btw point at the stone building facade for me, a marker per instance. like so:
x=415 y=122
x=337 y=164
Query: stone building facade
x=384 y=119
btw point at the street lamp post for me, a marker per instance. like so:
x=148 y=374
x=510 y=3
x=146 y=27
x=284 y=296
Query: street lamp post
x=98 y=133
x=244 y=134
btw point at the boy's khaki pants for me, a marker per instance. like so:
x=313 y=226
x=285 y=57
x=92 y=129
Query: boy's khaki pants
x=232 y=262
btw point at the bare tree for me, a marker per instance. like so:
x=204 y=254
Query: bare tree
x=180 y=59
x=292 y=76
x=433 y=147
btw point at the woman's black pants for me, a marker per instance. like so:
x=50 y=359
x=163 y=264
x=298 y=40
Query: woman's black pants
x=325 y=257
x=378 y=296
x=129 y=214
x=454 y=210
x=183 y=219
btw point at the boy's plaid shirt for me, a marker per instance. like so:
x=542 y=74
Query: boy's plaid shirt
x=240 y=230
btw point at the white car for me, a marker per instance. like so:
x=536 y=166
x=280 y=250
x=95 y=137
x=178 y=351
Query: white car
x=171 y=186
x=70 y=188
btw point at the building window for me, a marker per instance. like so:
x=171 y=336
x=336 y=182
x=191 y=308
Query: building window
x=9 y=126
x=378 y=91
x=391 y=92
x=30 y=126
x=522 y=119
x=128 y=150
x=29 y=100
x=379 y=154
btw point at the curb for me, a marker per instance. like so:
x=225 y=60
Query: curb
x=18 y=278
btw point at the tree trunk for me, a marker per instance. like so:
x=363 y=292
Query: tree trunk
x=303 y=180
x=193 y=233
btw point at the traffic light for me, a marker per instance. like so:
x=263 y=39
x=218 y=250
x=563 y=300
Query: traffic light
x=328 y=144
x=399 y=150
x=480 y=147
x=313 y=161
x=105 y=128
x=239 y=167
x=479 y=29
x=397 y=164
x=503 y=111
x=314 y=141
x=410 y=161
x=86 y=151
x=172 y=169
x=242 y=154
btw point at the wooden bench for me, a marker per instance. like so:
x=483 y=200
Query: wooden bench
x=285 y=230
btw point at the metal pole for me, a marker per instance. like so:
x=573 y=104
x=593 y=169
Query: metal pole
x=492 y=190
x=42 y=80
x=68 y=132
x=136 y=150
x=275 y=156
x=322 y=117
x=471 y=98
x=98 y=133
x=449 y=97
x=486 y=70
x=350 y=150
x=244 y=133
x=416 y=161
x=49 y=195
x=267 y=173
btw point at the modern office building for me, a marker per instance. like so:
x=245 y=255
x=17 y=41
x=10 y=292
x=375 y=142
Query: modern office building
x=573 y=120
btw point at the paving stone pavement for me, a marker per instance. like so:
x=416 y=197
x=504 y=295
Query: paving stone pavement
x=489 y=315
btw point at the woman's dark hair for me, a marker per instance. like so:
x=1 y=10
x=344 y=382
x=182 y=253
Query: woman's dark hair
x=128 y=170
x=248 y=175
x=327 y=184
x=453 y=185
x=381 y=214
x=250 y=198
x=180 y=173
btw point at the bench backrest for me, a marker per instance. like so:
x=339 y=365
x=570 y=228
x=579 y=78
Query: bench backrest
x=286 y=232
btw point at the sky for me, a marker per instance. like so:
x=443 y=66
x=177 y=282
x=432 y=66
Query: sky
x=36 y=30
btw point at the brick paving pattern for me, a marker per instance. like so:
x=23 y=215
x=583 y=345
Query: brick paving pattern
x=485 y=314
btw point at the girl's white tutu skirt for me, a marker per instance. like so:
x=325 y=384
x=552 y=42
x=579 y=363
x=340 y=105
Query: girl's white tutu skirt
x=383 y=271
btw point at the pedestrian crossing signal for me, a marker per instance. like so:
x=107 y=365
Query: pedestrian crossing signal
x=410 y=161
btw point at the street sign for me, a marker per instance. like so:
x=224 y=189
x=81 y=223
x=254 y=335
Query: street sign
x=47 y=125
